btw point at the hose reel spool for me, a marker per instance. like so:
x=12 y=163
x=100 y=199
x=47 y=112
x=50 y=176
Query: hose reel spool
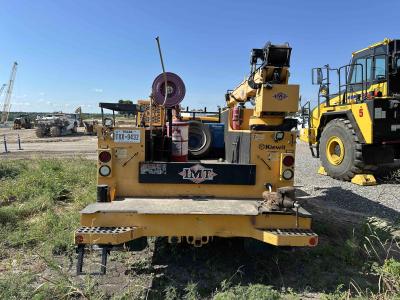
x=175 y=89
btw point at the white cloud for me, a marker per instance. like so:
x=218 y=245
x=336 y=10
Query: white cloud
x=97 y=90
x=86 y=105
x=21 y=104
x=24 y=96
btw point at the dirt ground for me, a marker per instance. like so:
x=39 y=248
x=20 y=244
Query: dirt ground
x=77 y=144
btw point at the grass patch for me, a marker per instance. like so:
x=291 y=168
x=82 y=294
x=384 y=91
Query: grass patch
x=359 y=262
x=251 y=292
x=39 y=200
x=39 y=204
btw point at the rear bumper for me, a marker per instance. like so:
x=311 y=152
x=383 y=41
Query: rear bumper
x=197 y=220
x=114 y=236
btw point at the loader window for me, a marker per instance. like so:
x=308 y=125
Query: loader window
x=369 y=69
x=361 y=71
x=356 y=74
x=380 y=67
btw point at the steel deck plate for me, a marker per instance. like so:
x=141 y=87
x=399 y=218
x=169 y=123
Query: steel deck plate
x=177 y=206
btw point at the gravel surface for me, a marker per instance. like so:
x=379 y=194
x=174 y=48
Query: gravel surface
x=77 y=144
x=382 y=200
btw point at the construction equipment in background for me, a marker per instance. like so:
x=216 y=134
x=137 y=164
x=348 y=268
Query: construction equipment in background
x=22 y=121
x=356 y=129
x=7 y=99
x=90 y=126
x=149 y=187
x=57 y=124
x=78 y=111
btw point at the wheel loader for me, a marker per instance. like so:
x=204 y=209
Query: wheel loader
x=22 y=121
x=355 y=127
x=146 y=189
x=57 y=124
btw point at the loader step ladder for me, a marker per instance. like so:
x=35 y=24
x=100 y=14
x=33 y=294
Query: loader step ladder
x=312 y=148
x=306 y=116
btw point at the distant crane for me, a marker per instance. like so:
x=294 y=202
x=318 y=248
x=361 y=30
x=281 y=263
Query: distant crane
x=7 y=104
x=2 y=89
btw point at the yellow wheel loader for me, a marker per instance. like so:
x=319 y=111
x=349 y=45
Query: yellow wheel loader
x=355 y=128
x=148 y=186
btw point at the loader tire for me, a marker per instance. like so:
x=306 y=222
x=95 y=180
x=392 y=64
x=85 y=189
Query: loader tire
x=340 y=150
x=40 y=132
x=55 y=131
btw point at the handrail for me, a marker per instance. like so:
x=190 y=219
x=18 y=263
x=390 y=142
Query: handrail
x=347 y=83
x=309 y=113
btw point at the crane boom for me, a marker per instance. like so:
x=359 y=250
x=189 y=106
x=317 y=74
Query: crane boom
x=267 y=89
x=7 y=100
x=2 y=89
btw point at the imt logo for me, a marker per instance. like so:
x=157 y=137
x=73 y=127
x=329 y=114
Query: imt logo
x=280 y=96
x=198 y=173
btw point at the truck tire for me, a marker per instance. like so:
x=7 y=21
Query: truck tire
x=340 y=150
x=55 y=131
x=200 y=139
x=40 y=132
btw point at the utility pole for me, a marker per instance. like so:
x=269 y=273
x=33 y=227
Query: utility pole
x=7 y=100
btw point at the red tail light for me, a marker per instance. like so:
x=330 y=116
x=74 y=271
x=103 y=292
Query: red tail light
x=313 y=241
x=78 y=239
x=104 y=156
x=288 y=161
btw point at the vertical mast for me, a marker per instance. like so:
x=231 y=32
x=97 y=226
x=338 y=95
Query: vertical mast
x=7 y=100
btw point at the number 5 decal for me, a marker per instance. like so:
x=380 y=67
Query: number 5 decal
x=361 y=112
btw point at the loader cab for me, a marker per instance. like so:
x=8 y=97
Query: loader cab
x=394 y=70
x=367 y=68
x=375 y=70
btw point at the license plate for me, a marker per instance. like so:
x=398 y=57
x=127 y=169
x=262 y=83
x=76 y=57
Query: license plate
x=127 y=136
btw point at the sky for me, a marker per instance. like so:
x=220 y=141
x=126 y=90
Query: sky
x=79 y=53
